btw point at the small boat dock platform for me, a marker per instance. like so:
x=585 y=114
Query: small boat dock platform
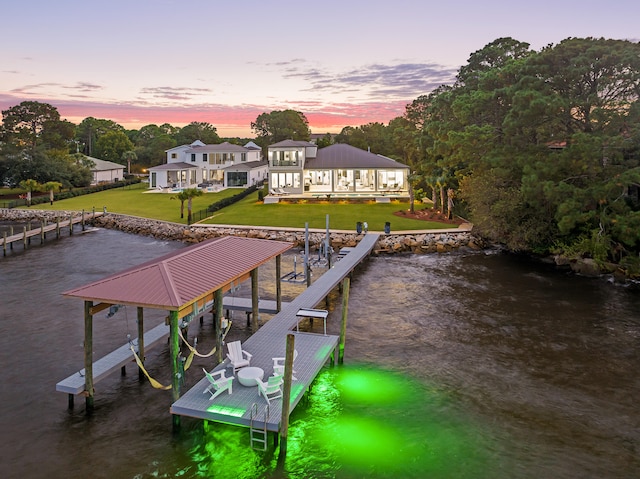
x=245 y=407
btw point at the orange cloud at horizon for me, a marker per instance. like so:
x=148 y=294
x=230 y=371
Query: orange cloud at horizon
x=229 y=121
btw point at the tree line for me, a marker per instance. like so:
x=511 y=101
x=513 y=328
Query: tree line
x=539 y=149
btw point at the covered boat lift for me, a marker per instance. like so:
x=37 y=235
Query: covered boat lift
x=185 y=284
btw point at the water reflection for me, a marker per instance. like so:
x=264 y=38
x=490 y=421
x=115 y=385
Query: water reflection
x=460 y=365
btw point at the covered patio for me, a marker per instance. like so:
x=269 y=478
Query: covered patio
x=185 y=284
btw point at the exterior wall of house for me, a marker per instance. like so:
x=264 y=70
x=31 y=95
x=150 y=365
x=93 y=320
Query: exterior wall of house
x=108 y=176
x=211 y=162
x=286 y=166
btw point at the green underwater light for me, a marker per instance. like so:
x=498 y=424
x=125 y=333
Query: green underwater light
x=359 y=421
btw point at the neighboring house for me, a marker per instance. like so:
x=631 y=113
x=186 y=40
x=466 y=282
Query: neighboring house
x=300 y=168
x=105 y=171
x=197 y=164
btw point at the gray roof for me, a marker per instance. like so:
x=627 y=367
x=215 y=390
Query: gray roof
x=292 y=143
x=220 y=147
x=341 y=155
x=104 y=165
x=172 y=166
x=246 y=166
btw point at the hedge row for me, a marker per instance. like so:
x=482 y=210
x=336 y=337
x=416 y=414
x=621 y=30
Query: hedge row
x=63 y=195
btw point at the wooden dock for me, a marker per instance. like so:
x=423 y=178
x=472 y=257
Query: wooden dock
x=268 y=342
x=60 y=225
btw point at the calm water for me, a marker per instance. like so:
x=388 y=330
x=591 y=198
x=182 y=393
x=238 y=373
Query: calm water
x=457 y=366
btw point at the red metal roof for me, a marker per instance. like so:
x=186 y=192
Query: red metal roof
x=185 y=276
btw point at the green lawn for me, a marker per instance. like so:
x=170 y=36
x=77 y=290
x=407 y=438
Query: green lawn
x=132 y=200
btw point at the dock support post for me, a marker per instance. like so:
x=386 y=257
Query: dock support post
x=307 y=265
x=88 y=356
x=345 y=310
x=11 y=234
x=71 y=224
x=174 y=351
x=254 y=300
x=4 y=243
x=41 y=231
x=82 y=220
x=57 y=227
x=286 y=397
x=218 y=323
x=278 y=283
x=29 y=230
x=327 y=245
x=140 y=340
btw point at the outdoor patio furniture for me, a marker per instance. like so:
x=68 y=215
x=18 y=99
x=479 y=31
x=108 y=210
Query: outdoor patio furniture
x=238 y=357
x=278 y=365
x=218 y=384
x=272 y=389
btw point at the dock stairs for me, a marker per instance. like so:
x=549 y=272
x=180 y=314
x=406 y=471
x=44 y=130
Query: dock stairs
x=258 y=434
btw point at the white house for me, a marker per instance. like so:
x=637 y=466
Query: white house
x=197 y=164
x=300 y=168
x=105 y=171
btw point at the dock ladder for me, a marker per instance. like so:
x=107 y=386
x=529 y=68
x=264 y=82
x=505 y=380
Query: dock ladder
x=258 y=435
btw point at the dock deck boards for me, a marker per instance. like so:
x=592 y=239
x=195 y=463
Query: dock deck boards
x=113 y=361
x=270 y=341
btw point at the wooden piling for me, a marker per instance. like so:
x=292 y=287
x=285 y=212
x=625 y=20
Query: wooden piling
x=4 y=243
x=24 y=237
x=11 y=234
x=254 y=300
x=70 y=224
x=141 y=354
x=82 y=220
x=218 y=323
x=42 y=232
x=279 y=283
x=57 y=227
x=174 y=348
x=88 y=356
x=286 y=396
x=345 y=310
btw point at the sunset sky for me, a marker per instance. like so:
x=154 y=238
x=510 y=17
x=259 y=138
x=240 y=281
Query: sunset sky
x=347 y=62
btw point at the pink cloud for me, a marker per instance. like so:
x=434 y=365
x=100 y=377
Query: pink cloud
x=229 y=120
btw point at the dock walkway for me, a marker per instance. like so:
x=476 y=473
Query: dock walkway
x=27 y=234
x=113 y=361
x=268 y=342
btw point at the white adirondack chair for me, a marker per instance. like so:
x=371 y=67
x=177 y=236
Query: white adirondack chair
x=272 y=389
x=238 y=357
x=218 y=384
x=278 y=365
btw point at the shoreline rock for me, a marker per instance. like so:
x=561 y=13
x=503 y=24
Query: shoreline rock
x=418 y=242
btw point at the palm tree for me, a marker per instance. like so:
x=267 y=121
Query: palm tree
x=191 y=194
x=413 y=178
x=182 y=197
x=30 y=185
x=51 y=187
x=187 y=195
x=129 y=156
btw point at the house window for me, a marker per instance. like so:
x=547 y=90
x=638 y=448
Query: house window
x=174 y=155
x=232 y=157
x=243 y=157
x=193 y=157
x=224 y=157
x=286 y=158
x=204 y=157
x=285 y=180
x=237 y=178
